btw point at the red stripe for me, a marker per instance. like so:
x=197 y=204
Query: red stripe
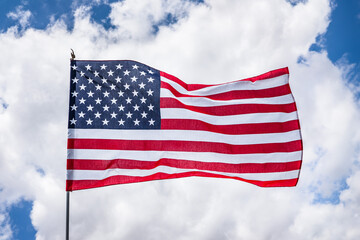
x=191 y=87
x=253 y=128
x=270 y=74
x=72 y=185
x=186 y=146
x=84 y=164
x=236 y=94
x=228 y=110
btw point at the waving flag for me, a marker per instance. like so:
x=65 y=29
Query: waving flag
x=130 y=123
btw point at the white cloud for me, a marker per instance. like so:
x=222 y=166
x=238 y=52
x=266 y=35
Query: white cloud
x=135 y=20
x=21 y=15
x=3 y=105
x=5 y=229
x=328 y=113
x=214 y=42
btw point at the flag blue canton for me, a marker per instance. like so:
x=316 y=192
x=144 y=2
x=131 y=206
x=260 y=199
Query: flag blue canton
x=114 y=95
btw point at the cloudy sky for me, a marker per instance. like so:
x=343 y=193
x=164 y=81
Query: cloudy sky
x=200 y=42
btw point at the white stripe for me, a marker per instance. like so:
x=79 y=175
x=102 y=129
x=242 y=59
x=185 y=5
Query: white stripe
x=93 y=154
x=238 y=85
x=205 y=102
x=179 y=113
x=102 y=174
x=181 y=135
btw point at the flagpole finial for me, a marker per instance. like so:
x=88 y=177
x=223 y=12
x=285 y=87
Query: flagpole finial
x=72 y=54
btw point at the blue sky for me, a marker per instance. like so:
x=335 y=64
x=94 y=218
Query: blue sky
x=340 y=41
x=344 y=31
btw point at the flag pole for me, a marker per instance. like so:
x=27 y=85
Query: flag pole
x=68 y=192
x=67 y=214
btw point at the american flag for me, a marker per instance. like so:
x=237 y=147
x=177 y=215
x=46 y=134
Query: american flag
x=129 y=122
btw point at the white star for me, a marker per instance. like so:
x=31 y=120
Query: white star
x=106 y=108
x=126 y=86
x=133 y=79
x=126 y=72
x=113 y=115
x=150 y=92
x=105 y=122
x=151 y=72
x=118 y=79
x=88 y=67
x=90 y=94
x=151 y=107
x=142 y=73
x=74 y=67
x=128 y=100
x=129 y=115
x=89 y=121
x=73 y=121
x=75 y=80
x=142 y=85
x=106 y=94
x=98 y=87
x=104 y=80
x=82 y=101
x=82 y=87
x=150 y=79
x=135 y=66
x=136 y=122
x=135 y=93
x=98 y=101
x=97 y=115
x=82 y=73
x=144 y=114
x=113 y=101
x=121 y=108
x=151 y=122
x=143 y=100
x=121 y=122
x=136 y=107
x=81 y=114
x=74 y=93
x=112 y=86
x=90 y=108
x=90 y=80
x=119 y=66
x=96 y=73
x=73 y=107
x=110 y=73
x=121 y=93
x=103 y=67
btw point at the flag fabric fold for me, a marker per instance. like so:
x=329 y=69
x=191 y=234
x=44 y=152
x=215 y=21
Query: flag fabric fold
x=129 y=122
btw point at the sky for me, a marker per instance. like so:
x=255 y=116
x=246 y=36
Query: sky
x=200 y=42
